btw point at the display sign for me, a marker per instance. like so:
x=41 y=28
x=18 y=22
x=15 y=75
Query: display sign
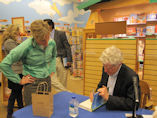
x=111 y=28
x=20 y=22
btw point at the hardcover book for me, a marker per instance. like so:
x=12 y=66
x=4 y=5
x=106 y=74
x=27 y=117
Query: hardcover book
x=132 y=19
x=151 y=17
x=98 y=101
x=150 y=30
x=131 y=31
x=141 y=31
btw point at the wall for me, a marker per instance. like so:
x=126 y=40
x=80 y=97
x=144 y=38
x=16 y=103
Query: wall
x=93 y=66
x=61 y=11
x=150 y=66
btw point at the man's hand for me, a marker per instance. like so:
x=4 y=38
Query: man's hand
x=27 y=79
x=69 y=64
x=91 y=96
x=104 y=92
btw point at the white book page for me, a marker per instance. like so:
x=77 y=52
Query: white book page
x=87 y=104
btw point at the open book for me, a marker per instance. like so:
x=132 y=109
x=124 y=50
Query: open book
x=98 y=101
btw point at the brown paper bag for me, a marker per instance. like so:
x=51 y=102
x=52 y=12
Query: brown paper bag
x=42 y=101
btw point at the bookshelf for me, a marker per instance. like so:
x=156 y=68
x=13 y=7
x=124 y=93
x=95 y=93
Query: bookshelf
x=5 y=91
x=77 y=52
x=140 y=26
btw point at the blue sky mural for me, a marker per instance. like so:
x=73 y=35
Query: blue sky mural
x=61 y=11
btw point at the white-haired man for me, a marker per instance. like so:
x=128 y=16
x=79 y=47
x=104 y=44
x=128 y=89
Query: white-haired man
x=116 y=85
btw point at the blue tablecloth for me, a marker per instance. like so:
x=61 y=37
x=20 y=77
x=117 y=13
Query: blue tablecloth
x=61 y=102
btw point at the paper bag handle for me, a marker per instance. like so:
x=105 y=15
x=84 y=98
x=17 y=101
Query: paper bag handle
x=40 y=86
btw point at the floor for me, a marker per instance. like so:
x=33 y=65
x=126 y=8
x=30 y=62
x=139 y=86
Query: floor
x=74 y=84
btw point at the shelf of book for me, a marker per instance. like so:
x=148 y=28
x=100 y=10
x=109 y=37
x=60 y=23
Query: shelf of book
x=77 y=52
x=136 y=24
x=140 y=26
x=74 y=36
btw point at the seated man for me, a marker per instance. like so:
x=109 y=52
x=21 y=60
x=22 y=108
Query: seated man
x=116 y=85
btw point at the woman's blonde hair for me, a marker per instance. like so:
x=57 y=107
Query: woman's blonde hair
x=39 y=29
x=111 y=55
x=11 y=32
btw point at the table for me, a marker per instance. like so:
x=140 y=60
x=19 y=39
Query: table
x=61 y=109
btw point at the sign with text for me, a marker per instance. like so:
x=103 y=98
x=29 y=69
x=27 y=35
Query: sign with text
x=111 y=28
x=20 y=22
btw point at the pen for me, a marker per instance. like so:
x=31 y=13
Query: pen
x=105 y=86
x=93 y=92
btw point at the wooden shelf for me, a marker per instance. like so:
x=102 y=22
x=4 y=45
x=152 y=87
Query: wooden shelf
x=137 y=24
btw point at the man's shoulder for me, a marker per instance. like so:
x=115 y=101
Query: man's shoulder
x=128 y=70
x=126 y=66
x=59 y=32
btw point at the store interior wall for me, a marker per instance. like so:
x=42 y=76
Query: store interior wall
x=61 y=11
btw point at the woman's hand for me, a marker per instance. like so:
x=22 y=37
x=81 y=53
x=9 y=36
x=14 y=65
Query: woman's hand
x=27 y=79
x=51 y=75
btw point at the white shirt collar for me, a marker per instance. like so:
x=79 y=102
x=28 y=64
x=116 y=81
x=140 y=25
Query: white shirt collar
x=116 y=74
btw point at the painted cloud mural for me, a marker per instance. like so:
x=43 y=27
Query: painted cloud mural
x=72 y=14
x=46 y=7
x=70 y=18
x=63 y=11
x=9 y=1
x=63 y=2
x=42 y=7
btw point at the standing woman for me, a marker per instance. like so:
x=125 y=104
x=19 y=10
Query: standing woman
x=10 y=40
x=38 y=55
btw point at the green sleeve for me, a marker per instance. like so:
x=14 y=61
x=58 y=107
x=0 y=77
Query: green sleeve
x=5 y=66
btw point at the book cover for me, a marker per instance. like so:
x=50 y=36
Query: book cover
x=132 y=19
x=131 y=31
x=98 y=101
x=141 y=31
x=152 y=17
x=155 y=29
x=141 y=18
x=150 y=30
x=65 y=62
